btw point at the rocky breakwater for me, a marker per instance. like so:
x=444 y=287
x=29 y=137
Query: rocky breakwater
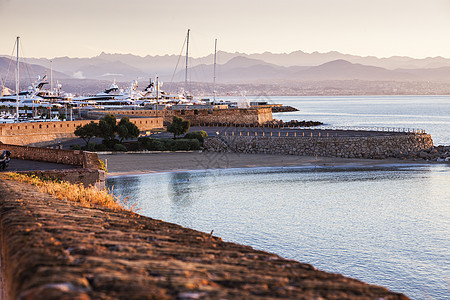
x=283 y=108
x=437 y=153
x=54 y=249
x=346 y=147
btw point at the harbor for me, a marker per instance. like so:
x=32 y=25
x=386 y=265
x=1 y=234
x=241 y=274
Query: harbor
x=211 y=150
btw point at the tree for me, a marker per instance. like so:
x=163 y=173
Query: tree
x=126 y=129
x=107 y=127
x=178 y=126
x=88 y=131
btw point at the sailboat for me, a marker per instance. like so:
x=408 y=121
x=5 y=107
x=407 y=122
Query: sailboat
x=231 y=104
x=27 y=98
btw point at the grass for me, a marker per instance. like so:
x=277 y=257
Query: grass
x=63 y=190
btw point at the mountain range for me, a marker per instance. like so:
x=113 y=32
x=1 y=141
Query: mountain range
x=234 y=68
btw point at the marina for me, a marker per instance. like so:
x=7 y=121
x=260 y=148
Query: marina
x=275 y=167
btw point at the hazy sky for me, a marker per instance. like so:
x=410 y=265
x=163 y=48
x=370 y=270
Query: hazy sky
x=84 y=28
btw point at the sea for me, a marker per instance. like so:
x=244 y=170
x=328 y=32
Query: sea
x=384 y=224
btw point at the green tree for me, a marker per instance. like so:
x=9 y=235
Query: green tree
x=126 y=129
x=87 y=132
x=107 y=127
x=178 y=126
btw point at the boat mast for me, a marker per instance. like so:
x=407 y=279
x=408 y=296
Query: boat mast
x=214 y=79
x=157 y=96
x=17 y=82
x=186 y=73
x=51 y=76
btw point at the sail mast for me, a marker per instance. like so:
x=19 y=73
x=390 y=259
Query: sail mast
x=214 y=81
x=186 y=73
x=17 y=82
x=51 y=76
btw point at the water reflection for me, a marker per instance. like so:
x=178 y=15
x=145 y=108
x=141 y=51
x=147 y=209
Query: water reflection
x=125 y=188
x=371 y=223
x=181 y=189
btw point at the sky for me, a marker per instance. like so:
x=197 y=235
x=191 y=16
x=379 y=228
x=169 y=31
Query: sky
x=85 y=28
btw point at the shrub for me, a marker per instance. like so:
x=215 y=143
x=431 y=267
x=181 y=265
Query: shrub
x=120 y=147
x=132 y=146
x=110 y=143
x=186 y=145
x=145 y=143
x=75 y=147
x=101 y=147
x=170 y=144
x=199 y=135
x=91 y=146
x=102 y=165
x=86 y=196
x=158 y=145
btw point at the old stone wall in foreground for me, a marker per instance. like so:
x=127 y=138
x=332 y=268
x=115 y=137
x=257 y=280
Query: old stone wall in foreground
x=90 y=172
x=348 y=147
x=54 y=249
x=80 y=158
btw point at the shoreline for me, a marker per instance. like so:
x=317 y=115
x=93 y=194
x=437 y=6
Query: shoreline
x=160 y=162
x=57 y=249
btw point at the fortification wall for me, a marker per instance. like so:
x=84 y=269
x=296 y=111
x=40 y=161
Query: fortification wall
x=83 y=159
x=55 y=249
x=90 y=172
x=200 y=116
x=44 y=132
x=347 y=147
x=87 y=177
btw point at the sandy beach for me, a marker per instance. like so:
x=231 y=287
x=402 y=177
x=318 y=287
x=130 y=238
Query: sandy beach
x=143 y=163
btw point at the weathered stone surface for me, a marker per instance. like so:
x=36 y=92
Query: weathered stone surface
x=40 y=132
x=348 y=147
x=248 y=116
x=85 y=159
x=438 y=153
x=53 y=249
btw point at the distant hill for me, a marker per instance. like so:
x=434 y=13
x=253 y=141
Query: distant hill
x=26 y=70
x=88 y=74
x=247 y=70
x=165 y=65
x=344 y=70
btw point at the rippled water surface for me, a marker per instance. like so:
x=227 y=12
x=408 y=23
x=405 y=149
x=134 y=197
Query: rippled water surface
x=431 y=113
x=384 y=225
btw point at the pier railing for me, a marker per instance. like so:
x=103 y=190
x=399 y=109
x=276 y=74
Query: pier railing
x=313 y=127
x=320 y=131
x=358 y=128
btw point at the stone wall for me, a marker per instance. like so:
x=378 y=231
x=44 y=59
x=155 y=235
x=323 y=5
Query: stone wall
x=39 y=132
x=83 y=159
x=200 y=116
x=347 y=147
x=55 y=249
x=87 y=177
x=90 y=172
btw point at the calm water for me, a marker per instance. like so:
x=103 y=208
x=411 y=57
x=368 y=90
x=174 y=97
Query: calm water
x=386 y=225
x=431 y=113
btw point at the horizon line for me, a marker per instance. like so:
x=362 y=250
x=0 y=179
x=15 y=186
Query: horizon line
x=236 y=52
